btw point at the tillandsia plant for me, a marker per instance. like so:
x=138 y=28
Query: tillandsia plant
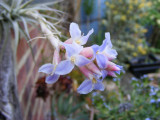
x=125 y=23
x=94 y=61
x=15 y=15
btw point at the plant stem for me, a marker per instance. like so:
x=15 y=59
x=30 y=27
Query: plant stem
x=92 y=114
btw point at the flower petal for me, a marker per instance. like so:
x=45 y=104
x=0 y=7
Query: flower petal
x=111 y=54
x=121 y=67
x=106 y=43
x=95 y=48
x=81 y=60
x=101 y=61
x=118 y=72
x=108 y=39
x=104 y=73
x=52 y=78
x=74 y=30
x=99 y=86
x=64 y=67
x=84 y=39
x=72 y=49
x=112 y=73
x=46 y=68
x=85 y=87
x=103 y=46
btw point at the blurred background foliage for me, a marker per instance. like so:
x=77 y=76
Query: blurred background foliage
x=125 y=25
x=140 y=103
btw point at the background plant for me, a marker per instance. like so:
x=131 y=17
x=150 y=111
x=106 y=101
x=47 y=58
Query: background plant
x=125 y=26
x=68 y=107
x=140 y=103
x=153 y=21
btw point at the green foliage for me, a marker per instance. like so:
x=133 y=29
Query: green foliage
x=88 y=6
x=124 y=24
x=153 y=19
x=142 y=102
x=67 y=107
x=153 y=16
x=154 y=50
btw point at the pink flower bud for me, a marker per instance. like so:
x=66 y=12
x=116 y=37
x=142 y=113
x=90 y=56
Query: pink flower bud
x=111 y=73
x=86 y=72
x=56 y=57
x=92 y=67
x=87 y=52
x=112 y=66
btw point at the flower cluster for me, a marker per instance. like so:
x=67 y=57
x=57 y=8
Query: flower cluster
x=154 y=94
x=94 y=61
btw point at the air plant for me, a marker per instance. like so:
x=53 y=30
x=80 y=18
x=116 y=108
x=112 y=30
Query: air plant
x=16 y=12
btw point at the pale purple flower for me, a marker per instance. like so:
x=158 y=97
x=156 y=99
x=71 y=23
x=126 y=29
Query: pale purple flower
x=134 y=79
x=76 y=35
x=106 y=106
x=94 y=94
x=144 y=76
x=66 y=66
x=147 y=119
x=121 y=69
x=116 y=70
x=153 y=90
x=73 y=58
x=91 y=84
x=116 y=79
x=104 y=73
x=152 y=101
x=49 y=69
x=104 y=52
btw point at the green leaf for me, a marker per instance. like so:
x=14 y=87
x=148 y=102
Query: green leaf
x=82 y=117
x=4 y=27
x=50 y=17
x=67 y=106
x=50 y=3
x=44 y=8
x=53 y=105
x=4 y=5
x=26 y=4
x=30 y=20
x=60 y=104
x=19 y=2
x=76 y=107
x=16 y=34
x=53 y=27
x=14 y=4
x=25 y=27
